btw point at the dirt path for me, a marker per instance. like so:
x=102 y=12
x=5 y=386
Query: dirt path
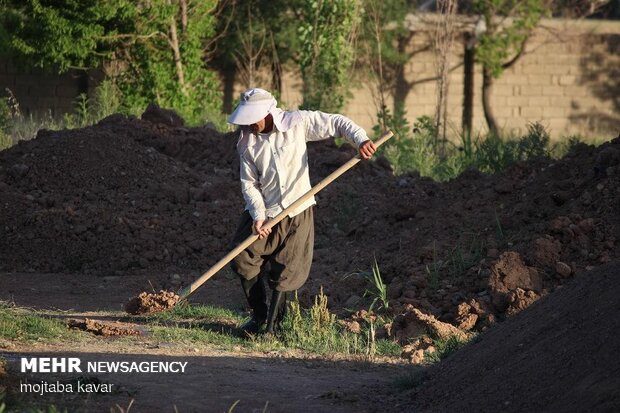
x=108 y=293
x=213 y=382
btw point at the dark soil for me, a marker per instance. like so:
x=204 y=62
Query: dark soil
x=560 y=355
x=136 y=197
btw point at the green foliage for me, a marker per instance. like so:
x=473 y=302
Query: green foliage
x=165 y=59
x=64 y=34
x=416 y=148
x=495 y=154
x=5 y=138
x=326 y=34
x=502 y=39
x=17 y=325
x=384 y=29
x=378 y=292
x=158 y=51
x=444 y=347
x=317 y=330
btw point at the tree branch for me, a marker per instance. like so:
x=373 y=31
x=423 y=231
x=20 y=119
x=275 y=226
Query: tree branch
x=520 y=53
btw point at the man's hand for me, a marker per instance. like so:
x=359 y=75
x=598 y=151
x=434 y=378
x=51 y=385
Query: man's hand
x=367 y=149
x=258 y=229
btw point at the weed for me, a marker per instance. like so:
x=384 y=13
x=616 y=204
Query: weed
x=444 y=347
x=318 y=331
x=462 y=259
x=378 y=292
x=432 y=271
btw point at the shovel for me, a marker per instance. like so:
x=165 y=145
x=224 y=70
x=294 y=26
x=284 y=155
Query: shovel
x=187 y=291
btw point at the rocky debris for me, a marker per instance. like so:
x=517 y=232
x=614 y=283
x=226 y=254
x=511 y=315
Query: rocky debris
x=147 y=303
x=104 y=328
x=351 y=326
x=509 y=273
x=466 y=317
x=527 y=362
x=413 y=323
x=563 y=269
x=519 y=300
x=417 y=350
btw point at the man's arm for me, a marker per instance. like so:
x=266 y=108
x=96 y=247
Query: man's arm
x=250 y=188
x=321 y=125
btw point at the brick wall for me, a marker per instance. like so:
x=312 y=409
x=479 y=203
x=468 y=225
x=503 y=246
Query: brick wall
x=569 y=80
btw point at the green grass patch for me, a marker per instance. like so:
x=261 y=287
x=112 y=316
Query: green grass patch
x=313 y=330
x=184 y=311
x=197 y=335
x=15 y=324
x=317 y=330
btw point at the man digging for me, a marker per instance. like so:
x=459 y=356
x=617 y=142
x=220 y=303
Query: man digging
x=274 y=174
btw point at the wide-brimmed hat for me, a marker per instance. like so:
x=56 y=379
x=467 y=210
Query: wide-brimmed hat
x=255 y=105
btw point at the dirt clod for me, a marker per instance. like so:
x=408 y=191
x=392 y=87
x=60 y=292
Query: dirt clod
x=104 y=328
x=147 y=303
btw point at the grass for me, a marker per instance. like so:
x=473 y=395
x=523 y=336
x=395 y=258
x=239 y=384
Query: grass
x=314 y=330
x=16 y=324
x=378 y=290
x=418 y=149
x=184 y=310
x=317 y=330
x=445 y=347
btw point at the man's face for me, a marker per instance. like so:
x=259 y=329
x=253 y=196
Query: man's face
x=264 y=125
x=258 y=127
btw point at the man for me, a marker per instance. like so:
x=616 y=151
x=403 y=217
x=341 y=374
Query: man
x=274 y=174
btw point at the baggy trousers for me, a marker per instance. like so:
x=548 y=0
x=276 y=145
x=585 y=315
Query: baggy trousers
x=288 y=250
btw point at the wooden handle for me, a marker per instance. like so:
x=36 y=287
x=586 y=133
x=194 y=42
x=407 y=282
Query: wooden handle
x=185 y=292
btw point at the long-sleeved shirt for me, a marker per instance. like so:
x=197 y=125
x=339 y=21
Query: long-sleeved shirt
x=274 y=166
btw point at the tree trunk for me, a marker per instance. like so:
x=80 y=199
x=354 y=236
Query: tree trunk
x=229 y=88
x=468 y=86
x=176 y=50
x=487 y=92
x=402 y=86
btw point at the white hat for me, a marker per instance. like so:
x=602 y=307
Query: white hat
x=255 y=105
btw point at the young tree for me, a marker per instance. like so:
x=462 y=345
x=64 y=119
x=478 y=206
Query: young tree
x=327 y=34
x=507 y=26
x=384 y=37
x=157 y=44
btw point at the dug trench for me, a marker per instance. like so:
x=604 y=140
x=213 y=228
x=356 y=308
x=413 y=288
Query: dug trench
x=132 y=200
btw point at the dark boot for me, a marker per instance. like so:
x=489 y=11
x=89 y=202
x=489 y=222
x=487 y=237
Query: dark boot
x=276 y=310
x=256 y=295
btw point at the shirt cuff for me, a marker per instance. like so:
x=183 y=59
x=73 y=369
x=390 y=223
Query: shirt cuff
x=257 y=215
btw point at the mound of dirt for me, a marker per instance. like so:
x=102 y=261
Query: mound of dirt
x=559 y=355
x=104 y=328
x=148 y=303
x=144 y=195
